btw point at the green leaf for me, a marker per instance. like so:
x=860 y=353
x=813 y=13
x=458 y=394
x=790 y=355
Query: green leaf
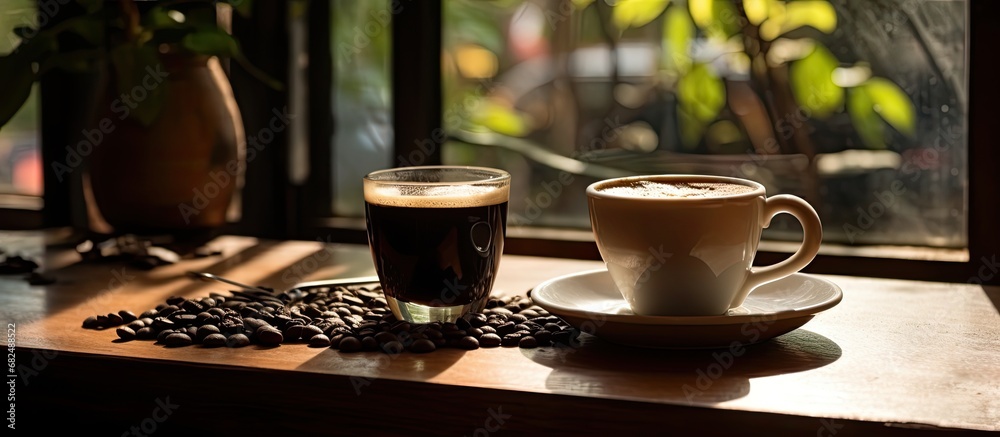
x=501 y=119
x=719 y=19
x=819 y=14
x=17 y=76
x=691 y=129
x=756 y=10
x=866 y=121
x=701 y=12
x=892 y=104
x=678 y=32
x=812 y=82
x=138 y=83
x=211 y=41
x=701 y=93
x=158 y=18
x=636 y=13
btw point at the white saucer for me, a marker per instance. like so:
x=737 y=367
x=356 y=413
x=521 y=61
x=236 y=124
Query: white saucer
x=590 y=302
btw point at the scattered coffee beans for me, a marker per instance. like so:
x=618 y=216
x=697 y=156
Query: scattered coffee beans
x=350 y=319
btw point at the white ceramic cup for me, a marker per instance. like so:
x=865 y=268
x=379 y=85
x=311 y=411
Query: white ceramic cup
x=671 y=255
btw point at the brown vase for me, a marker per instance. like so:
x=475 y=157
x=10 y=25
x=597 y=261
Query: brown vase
x=179 y=173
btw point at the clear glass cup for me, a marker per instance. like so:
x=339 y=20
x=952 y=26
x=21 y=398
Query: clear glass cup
x=436 y=235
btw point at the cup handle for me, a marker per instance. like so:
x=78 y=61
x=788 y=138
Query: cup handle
x=812 y=236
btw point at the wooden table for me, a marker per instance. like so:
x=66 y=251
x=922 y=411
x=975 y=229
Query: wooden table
x=895 y=357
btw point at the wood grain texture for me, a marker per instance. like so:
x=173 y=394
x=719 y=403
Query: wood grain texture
x=894 y=356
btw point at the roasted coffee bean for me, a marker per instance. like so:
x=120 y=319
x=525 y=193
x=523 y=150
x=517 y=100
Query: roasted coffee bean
x=319 y=340
x=452 y=335
x=493 y=303
x=293 y=332
x=192 y=306
x=475 y=332
x=127 y=316
x=400 y=326
x=268 y=335
x=146 y=333
x=510 y=340
x=543 y=337
x=91 y=322
x=477 y=319
x=252 y=324
x=513 y=308
x=553 y=327
x=175 y=300
x=183 y=319
x=209 y=302
x=191 y=331
x=205 y=331
x=527 y=342
x=468 y=343
x=422 y=346
x=309 y=331
x=369 y=343
x=531 y=326
x=237 y=340
x=125 y=333
x=490 y=340
x=162 y=335
x=114 y=319
x=517 y=318
x=506 y=328
x=502 y=311
x=168 y=310
x=149 y=314
x=217 y=312
x=530 y=314
x=249 y=311
x=349 y=344
x=161 y=323
x=385 y=337
x=177 y=340
x=214 y=340
x=487 y=329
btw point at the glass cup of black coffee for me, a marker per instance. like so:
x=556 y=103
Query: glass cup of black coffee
x=436 y=235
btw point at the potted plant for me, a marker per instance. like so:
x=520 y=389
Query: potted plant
x=165 y=140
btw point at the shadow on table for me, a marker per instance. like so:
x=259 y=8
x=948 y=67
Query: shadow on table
x=89 y=288
x=683 y=376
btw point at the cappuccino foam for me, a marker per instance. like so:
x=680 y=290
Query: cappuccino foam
x=656 y=189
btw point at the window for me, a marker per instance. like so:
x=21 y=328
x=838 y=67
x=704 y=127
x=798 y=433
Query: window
x=20 y=160
x=858 y=107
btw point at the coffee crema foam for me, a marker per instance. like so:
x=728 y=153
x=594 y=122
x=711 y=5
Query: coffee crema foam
x=657 y=189
x=461 y=196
